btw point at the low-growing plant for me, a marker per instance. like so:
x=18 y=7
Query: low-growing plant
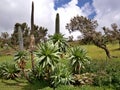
x=84 y=79
x=9 y=71
x=20 y=58
x=61 y=75
x=61 y=42
x=38 y=74
x=48 y=56
x=78 y=59
x=107 y=73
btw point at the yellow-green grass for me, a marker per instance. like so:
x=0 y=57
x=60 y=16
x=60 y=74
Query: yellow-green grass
x=97 y=53
x=93 y=51
x=6 y=58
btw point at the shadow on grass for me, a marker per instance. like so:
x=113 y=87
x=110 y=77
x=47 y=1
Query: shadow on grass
x=25 y=85
x=37 y=85
x=10 y=83
x=13 y=83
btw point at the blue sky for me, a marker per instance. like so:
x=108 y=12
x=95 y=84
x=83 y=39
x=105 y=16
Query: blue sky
x=81 y=3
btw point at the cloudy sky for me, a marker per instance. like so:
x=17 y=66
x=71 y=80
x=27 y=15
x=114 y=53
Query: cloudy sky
x=13 y=11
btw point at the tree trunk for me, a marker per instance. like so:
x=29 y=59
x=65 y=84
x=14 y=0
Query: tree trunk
x=103 y=46
x=32 y=60
x=107 y=52
x=119 y=44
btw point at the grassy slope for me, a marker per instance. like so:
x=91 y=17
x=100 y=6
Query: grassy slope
x=98 y=53
x=93 y=51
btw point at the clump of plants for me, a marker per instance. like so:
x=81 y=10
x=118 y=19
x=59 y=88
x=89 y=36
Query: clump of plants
x=107 y=73
x=78 y=58
x=61 y=75
x=8 y=70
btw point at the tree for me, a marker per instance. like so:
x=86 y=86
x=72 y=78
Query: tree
x=39 y=33
x=4 y=38
x=87 y=28
x=112 y=34
x=20 y=38
x=25 y=31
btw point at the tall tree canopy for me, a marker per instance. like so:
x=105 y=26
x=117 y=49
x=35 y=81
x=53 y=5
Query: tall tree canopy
x=112 y=34
x=88 y=29
x=39 y=33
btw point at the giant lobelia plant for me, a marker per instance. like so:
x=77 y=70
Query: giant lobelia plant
x=8 y=70
x=78 y=58
x=48 y=56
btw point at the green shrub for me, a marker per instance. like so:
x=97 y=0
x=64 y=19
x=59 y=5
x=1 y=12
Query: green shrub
x=61 y=75
x=78 y=58
x=8 y=71
x=107 y=73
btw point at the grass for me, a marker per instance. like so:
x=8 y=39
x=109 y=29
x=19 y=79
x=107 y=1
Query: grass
x=21 y=84
x=6 y=59
x=97 y=53
x=24 y=85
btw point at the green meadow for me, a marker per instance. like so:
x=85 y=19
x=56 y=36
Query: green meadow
x=21 y=84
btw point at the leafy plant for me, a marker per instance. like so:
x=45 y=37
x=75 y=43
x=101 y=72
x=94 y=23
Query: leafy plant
x=38 y=74
x=78 y=58
x=107 y=73
x=9 y=71
x=48 y=56
x=60 y=40
x=61 y=75
x=21 y=57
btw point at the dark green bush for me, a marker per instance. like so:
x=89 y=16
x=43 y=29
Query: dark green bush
x=107 y=73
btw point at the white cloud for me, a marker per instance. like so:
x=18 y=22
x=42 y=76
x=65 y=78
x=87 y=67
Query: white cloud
x=108 y=12
x=67 y=12
x=87 y=9
x=13 y=11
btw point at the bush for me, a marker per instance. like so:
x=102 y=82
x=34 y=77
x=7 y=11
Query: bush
x=8 y=71
x=61 y=75
x=107 y=73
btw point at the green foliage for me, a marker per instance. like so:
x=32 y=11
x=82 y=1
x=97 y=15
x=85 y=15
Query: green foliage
x=87 y=28
x=107 y=73
x=8 y=71
x=60 y=40
x=47 y=56
x=21 y=55
x=39 y=33
x=38 y=74
x=61 y=75
x=78 y=58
